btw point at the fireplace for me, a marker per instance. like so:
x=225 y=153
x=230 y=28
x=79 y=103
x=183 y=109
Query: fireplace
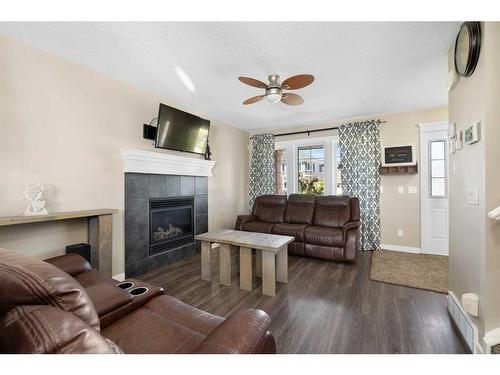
x=176 y=204
x=171 y=223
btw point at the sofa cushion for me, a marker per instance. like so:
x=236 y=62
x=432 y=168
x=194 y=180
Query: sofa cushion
x=163 y=325
x=324 y=236
x=258 y=226
x=294 y=230
x=332 y=211
x=270 y=208
x=324 y=252
x=300 y=209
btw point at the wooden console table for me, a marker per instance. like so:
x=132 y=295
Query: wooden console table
x=100 y=223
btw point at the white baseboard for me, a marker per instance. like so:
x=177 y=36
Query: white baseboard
x=405 y=249
x=119 y=277
x=491 y=339
x=464 y=323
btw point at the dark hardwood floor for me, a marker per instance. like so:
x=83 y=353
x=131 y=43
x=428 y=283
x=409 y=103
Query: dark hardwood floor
x=326 y=307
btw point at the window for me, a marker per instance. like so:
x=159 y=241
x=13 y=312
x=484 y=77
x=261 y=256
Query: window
x=338 y=170
x=311 y=175
x=438 y=169
x=281 y=175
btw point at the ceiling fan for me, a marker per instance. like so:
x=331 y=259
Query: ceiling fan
x=274 y=90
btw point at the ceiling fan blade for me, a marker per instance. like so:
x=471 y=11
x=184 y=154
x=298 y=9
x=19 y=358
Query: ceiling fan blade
x=292 y=99
x=297 y=82
x=253 y=82
x=255 y=99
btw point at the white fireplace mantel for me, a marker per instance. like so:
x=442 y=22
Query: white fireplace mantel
x=140 y=161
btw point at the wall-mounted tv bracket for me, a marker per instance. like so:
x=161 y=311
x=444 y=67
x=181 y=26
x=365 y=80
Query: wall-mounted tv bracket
x=149 y=131
x=207 y=152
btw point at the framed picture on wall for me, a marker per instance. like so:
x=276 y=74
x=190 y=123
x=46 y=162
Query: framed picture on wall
x=398 y=155
x=472 y=134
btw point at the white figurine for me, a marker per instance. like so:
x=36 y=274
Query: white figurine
x=33 y=194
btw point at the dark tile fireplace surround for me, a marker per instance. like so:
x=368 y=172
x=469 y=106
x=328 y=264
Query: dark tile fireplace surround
x=162 y=215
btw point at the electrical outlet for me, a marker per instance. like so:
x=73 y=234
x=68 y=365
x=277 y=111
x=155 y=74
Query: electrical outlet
x=381 y=189
x=400 y=232
x=401 y=189
x=412 y=190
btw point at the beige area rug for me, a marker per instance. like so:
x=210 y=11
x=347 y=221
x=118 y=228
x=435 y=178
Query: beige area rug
x=420 y=271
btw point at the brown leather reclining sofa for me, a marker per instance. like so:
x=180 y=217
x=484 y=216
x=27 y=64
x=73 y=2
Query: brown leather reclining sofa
x=324 y=227
x=62 y=306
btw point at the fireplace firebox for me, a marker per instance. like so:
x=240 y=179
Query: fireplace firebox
x=171 y=223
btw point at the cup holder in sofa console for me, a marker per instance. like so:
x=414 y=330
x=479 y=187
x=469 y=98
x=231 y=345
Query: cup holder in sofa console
x=138 y=291
x=125 y=285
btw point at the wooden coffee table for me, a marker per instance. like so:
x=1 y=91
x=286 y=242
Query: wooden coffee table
x=272 y=257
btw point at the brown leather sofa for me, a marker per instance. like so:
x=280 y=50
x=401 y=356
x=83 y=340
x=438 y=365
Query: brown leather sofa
x=324 y=227
x=63 y=306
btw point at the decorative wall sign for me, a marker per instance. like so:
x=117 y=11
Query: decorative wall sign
x=472 y=134
x=398 y=155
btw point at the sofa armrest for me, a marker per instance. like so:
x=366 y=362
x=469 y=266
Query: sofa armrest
x=244 y=332
x=348 y=226
x=242 y=219
x=72 y=264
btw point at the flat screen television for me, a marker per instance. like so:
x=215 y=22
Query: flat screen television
x=181 y=131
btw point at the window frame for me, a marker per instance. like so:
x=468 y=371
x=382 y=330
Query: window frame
x=330 y=144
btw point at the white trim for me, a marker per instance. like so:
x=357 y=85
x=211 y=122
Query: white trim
x=433 y=126
x=477 y=349
x=404 y=249
x=119 y=277
x=426 y=201
x=491 y=339
x=139 y=161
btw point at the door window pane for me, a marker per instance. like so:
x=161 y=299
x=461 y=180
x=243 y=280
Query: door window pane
x=438 y=187
x=437 y=170
x=437 y=150
x=311 y=166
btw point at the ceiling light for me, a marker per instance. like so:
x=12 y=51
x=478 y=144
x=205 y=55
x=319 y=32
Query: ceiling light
x=273 y=94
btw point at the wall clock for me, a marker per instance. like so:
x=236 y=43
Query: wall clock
x=467 y=48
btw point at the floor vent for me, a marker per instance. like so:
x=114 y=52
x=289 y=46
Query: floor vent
x=464 y=323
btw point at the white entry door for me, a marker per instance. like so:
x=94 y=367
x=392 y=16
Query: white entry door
x=434 y=188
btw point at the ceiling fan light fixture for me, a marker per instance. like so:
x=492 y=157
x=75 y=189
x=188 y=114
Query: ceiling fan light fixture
x=274 y=89
x=273 y=94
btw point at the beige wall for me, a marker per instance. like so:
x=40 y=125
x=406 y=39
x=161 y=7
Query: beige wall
x=492 y=140
x=397 y=210
x=62 y=125
x=475 y=239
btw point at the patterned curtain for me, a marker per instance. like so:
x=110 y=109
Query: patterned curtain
x=262 y=167
x=360 y=159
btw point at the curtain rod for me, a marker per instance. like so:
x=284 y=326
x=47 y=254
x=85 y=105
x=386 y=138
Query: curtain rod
x=308 y=132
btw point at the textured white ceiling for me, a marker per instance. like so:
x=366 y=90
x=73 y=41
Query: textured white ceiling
x=361 y=68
